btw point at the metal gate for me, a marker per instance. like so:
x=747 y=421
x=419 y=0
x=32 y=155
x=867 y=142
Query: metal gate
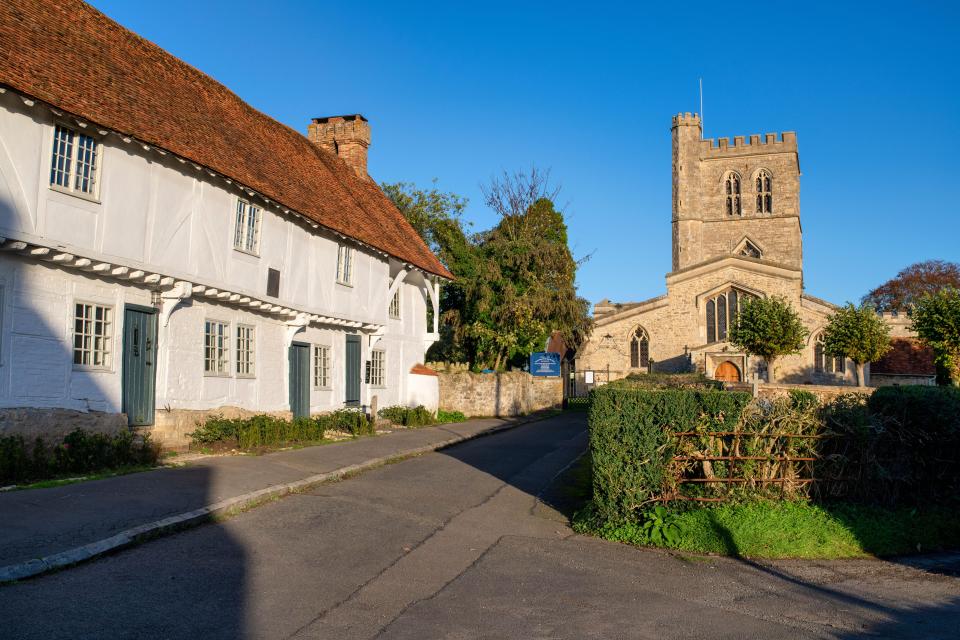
x=577 y=384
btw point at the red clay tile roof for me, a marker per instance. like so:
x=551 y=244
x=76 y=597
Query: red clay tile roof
x=69 y=55
x=908 y=356
x=423 y=370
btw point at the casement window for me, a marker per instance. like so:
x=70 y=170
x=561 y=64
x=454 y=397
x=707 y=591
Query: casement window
x=321 y=366
x=378 y=366
x=246 y=233
x=92 y=335
x=639 y=349
x=216 y=348
x=75 y=162
x=344 y=264
x=246 y=351
x=395 y=305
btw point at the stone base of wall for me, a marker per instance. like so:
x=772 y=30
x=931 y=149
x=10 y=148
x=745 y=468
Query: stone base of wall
x=172 y=428
x=54 y=424
x=498 y=394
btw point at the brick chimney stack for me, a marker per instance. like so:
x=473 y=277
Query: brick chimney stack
x=344 y=136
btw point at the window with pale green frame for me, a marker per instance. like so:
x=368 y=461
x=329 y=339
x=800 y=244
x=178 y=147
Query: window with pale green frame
x=395 y=305
x=344 y=264
x=246 y=231
x=92 y=335
x=321 y=366
x=378 y=366
x=216 y=348
x=75 y=162
x=246 y=351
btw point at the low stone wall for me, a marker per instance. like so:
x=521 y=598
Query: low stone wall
x=172 y=428
x=498 y=394
x=53 y=424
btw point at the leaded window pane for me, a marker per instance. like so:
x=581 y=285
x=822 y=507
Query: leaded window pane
x=711 y=321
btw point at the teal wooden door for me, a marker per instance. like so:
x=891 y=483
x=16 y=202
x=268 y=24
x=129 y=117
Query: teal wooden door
x=300 y=380
x=352 y=367
x=139 y=374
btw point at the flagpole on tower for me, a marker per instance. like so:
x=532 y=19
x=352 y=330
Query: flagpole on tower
x=701 y=108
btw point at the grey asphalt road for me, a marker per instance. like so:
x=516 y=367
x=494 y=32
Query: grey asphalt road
x=456 y=544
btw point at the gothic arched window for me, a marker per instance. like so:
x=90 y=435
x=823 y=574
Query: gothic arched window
x=764 y=192
x=640 y=349
x=732 y=190
x=823 y=362
x=722 y=311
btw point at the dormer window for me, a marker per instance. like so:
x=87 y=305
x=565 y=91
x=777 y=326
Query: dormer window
x=732 y=188
x=345 y=264
x=764 y=192
x=75 y=163
x=246 y=234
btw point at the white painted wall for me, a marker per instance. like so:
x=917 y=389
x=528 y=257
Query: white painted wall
x=167 y=217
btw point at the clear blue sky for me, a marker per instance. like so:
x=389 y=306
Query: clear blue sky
x=458 y=93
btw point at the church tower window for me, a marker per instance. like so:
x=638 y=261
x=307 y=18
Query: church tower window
x=750 y=250
x=764 y=192
x=823 y=362
x=639 y=349
x=732 y=187
x=722 y=311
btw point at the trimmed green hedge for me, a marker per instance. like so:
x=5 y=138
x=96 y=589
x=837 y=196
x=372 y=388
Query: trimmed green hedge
x=417 y=416
x=669 y=381
x=80 y=452
x=899 y=446
x=269 y=431
x=629 y=440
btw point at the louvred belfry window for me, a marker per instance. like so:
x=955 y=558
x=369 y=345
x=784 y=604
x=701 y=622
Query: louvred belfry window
x=764 y=192
x=732 y=188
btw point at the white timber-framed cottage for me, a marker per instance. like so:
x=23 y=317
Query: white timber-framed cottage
x=167 y=251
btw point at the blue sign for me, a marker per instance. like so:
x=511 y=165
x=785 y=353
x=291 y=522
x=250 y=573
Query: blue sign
x=544 y=363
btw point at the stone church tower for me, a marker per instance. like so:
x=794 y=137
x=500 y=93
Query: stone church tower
x=723 y=197
x=736 y=234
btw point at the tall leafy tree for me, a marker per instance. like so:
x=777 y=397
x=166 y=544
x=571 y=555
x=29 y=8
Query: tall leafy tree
x=769 y=328
x=936 y=319
x=913 y=283
x=857 y=333
x=438 y=217
x=515 y=283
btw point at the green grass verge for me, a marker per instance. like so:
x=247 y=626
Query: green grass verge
x=796 y=530
x=770 y=529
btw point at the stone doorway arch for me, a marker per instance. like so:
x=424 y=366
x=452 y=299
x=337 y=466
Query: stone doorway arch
x=727 y=372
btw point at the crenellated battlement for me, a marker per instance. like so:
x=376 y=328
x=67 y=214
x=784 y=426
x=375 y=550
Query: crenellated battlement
x=687 y=119
x=771 y=142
